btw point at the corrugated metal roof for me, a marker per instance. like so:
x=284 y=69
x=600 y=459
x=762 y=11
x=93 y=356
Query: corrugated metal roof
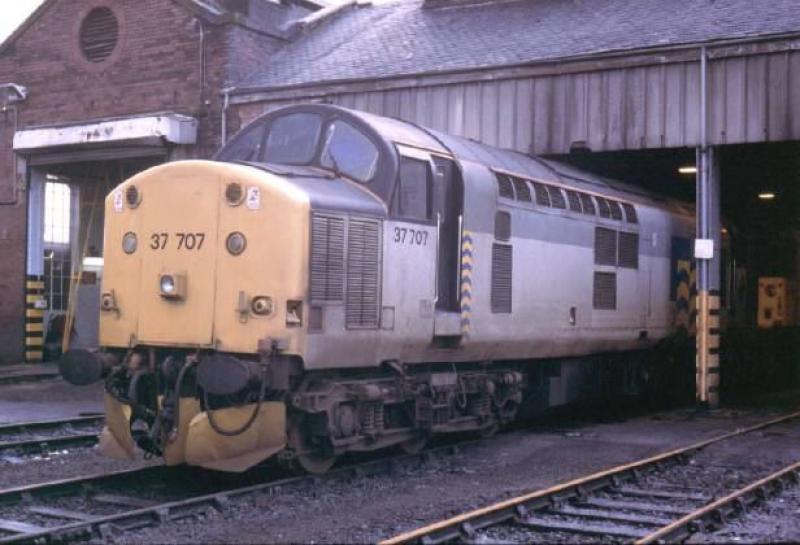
x=403 y=38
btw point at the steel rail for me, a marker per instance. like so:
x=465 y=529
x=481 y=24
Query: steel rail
x=465 y=524
x=38 y=443
x=16 y=378
x=20 y=427
x=106 y=525
x=733 y=502
x=45 y=444
x=65 y=486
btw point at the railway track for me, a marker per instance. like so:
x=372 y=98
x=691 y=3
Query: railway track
x=100 y=506
x=21 y=377
x=664 y=498
x=47 y=435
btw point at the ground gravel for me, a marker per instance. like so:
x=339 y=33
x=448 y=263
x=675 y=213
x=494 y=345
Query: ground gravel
x=367 y=509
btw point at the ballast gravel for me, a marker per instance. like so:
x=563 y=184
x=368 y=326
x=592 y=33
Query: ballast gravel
x=368 y=509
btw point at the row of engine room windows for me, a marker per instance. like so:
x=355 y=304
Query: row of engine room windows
x=550 y=196
x=414 y=195
x=612 y=249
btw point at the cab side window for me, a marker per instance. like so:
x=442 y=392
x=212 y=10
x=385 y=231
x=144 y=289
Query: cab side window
x=413 y=193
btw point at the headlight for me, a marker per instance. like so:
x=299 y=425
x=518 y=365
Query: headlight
x=129 y=243
x=172 y=285
x=167 y=284
x=236 y=243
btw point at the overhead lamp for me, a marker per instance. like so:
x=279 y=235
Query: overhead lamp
x=766 y=195
x=13 y=92
x=687 y=169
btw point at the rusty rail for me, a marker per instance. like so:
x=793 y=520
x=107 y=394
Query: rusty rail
x=465 y=525
x=717 y=511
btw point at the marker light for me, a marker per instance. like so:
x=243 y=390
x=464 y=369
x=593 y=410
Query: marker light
x=766 y=195
x=234 y=194
x=133 y=196
x=688 y=169
x=236 y=243
x=129 y=243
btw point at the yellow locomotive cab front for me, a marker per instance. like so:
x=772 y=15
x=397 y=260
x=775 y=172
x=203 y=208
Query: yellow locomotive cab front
x=204 y=257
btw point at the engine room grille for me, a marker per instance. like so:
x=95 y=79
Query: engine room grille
x=605 y=246
x=501 y=278
x=574 y=201
x=616 y=211
x=629 y=250
x=363 y=273
x=630 y=213
x=542 y=196
x=522 y=189
x=327 y=258
x=588 y=204
x=556 y=197
x=605 y=291
x=602 y=206
x=504 y=186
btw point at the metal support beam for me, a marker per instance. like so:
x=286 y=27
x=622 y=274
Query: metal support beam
x=708 y=278
x=707 y=253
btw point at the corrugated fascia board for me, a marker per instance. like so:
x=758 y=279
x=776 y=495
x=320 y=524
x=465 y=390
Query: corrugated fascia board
x=243 y=90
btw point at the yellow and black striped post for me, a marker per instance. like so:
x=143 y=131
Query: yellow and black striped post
x=34 y=319
x=708 y=331
x=708 y=229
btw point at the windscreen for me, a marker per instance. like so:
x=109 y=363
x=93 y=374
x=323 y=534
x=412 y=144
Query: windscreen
x=293 y=138
x=349 y=152
x=245 y=147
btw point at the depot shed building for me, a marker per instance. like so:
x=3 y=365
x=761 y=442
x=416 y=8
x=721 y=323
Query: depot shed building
x=91 y=92
x=632 y=89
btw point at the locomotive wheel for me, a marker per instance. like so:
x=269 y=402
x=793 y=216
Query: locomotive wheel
x=414 y=445
x=316 y=463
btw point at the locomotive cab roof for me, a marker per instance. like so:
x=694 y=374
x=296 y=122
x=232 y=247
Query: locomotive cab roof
x=309 y=142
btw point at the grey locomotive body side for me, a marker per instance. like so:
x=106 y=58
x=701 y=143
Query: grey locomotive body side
x=551 y=257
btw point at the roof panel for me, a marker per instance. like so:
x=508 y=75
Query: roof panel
x=375 y=41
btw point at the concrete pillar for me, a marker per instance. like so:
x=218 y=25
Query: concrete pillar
x=709 y=237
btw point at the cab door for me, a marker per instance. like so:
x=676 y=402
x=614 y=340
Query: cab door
x=448 y=202
x=440 y=203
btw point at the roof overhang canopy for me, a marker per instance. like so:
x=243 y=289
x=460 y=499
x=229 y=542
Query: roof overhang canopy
x=154 y=129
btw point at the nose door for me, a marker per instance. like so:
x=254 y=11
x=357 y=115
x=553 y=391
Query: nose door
x=179 y=240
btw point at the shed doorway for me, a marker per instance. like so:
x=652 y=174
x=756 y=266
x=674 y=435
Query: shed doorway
x=65 y=248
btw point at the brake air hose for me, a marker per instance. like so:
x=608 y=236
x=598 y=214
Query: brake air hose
x=246 y=425
x=178 y=386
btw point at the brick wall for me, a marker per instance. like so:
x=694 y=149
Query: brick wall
x=156 y=66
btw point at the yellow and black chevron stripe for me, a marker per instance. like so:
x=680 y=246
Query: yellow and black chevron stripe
x=466 y=282
x=686 y=297
x=34 y=319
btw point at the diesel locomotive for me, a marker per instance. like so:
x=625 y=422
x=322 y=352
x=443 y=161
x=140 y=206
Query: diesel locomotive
x=336 y=281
